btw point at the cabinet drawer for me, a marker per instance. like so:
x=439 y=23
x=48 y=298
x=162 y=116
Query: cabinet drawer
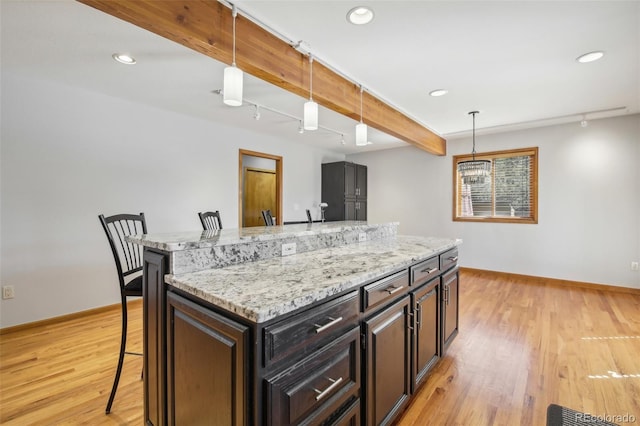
x=385 y=289
x=448 y=259
x=425 y=270
x=303 y=333
x=315 y=388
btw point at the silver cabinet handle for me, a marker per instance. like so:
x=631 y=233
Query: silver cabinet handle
x=321 y=328
x=429 y=271
x=332 y=386
x=393 y=289
x=453 y=258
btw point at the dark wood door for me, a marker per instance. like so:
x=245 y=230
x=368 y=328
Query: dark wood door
x=361 y=181
x=207 y=366
x=361 y=209
x=387 y=366
x=427 y=330
x=350 y=211
x=350 y=180
x=449 y=308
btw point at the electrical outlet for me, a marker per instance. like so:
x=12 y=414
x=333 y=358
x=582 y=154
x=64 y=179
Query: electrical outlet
x=634 y=266
x=288 y=249
x=8 y=292
x=362 y=237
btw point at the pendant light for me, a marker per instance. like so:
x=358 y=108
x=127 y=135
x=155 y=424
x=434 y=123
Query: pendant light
x=474 y=171
x=361 y=128
x=310 y=107
x=232 y=93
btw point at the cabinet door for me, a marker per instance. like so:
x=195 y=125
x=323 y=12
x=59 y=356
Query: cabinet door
x=207 y=366
x=361 y=209
x=427 y=330
x=449 y=308
x=349 y=180
x=349 y=210
x=387 y=363
x=154 y=308
x=361 y=181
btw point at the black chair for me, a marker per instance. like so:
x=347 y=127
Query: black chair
x=309 y=216
x=268 y=219
x=210 y=220
x=128 y=259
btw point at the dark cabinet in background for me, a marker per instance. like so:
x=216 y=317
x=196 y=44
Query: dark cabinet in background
x=344 y=189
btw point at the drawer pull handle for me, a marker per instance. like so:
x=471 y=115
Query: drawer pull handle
x=453 y=258
x=392 y=290
x=321 y=328
x=428 y=271
x=332 y=386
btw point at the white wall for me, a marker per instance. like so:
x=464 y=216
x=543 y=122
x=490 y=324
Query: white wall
x=68 y=155
x=589 y=202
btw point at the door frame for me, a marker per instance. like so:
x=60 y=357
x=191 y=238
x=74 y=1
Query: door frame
x=278 y=160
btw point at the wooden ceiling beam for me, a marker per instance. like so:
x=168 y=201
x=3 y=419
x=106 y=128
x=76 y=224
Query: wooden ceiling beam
x=206 y=27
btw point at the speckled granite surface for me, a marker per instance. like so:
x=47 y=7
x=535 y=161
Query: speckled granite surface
x=196 y=251
x=262 y=290
x=205 y=239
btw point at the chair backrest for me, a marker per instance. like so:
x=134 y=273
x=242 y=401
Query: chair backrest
x=210 y=220
x=309 y=216
x=127 y=256
x=266 y=216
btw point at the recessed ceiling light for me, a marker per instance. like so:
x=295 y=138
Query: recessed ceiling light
x=590 y=57
x=360 y=15
x=123 y=58
x=438 y=92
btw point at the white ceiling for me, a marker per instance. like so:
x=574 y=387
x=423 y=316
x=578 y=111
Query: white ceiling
x=514 y=61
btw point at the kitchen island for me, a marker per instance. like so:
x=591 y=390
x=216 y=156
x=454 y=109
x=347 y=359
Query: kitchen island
x=341 y=332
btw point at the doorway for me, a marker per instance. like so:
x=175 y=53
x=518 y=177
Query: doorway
x=260 y=187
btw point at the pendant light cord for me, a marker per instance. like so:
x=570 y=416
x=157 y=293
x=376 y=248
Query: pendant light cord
x=311 y=77
x=234 y=13
x=473 y=152
x=361 y=90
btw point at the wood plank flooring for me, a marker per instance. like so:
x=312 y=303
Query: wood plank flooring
x=523 y=344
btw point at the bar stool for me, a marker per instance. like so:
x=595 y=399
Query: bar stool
x=128 y=259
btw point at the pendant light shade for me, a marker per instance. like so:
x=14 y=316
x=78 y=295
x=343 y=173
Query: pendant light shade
x=310 y=117
x=361 y=128
x=361 y=134
x=232 y=89
x=232 y=86
x=474 y=171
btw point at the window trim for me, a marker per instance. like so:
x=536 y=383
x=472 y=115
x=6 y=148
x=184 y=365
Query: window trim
x=533 y=152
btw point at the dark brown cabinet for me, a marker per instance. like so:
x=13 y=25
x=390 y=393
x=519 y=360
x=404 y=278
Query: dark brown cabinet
x=449 y=307
x=344 y=189
x=207 y=371
x=387 y=367
x=426 y=336
x=352 y=359
x=153 y=306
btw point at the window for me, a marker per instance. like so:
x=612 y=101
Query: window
x=508 y=194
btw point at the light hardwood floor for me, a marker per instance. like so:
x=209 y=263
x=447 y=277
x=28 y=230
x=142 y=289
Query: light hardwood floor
x=523 y=344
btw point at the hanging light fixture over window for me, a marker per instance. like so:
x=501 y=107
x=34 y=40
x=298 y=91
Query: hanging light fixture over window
x=474 y=171
x=232 y=93
x=361 y=128
x=310 y=107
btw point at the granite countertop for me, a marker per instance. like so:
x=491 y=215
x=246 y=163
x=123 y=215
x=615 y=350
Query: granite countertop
x=260 y=291
x=178 y=241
